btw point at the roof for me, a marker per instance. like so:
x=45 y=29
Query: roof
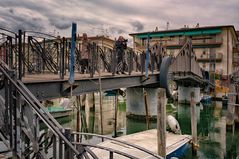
x=95 y=38
x=184 y=31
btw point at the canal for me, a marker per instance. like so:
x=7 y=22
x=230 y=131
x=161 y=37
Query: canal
x=216 y=140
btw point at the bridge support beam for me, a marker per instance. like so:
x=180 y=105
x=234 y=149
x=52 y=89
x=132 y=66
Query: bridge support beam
x=184 y=94
x=135 y=102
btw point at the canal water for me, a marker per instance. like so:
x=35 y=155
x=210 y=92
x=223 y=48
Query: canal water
x=216 y=140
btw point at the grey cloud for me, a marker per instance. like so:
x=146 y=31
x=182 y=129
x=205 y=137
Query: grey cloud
x=116 y=30
x=15 y=22
x=137 y=25
x=60 y=22
x=117 y=15
x=11 y=11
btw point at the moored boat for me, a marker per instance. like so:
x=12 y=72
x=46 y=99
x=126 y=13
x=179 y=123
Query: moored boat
x=176 y=145
x=206 y=99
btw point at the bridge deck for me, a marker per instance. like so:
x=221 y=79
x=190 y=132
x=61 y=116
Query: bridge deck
x=47 y=77
x=48 y=86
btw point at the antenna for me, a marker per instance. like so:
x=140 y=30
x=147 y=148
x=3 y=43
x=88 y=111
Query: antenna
x=167 y=26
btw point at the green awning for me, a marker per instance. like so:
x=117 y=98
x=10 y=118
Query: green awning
x=178 y=33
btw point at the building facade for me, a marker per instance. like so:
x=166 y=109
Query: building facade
x=215 y=46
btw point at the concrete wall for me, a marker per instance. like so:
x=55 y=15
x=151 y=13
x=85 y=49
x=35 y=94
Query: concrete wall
x=184 y=94
x=135 y=104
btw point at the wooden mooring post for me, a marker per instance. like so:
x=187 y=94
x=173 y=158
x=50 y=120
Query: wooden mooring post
x=193 y=123
x=161 y=122
x=116 y=112
x=146 y=109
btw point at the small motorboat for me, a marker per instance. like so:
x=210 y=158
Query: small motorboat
x=206 y=99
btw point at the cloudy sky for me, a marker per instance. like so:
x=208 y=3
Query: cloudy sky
x=114 y=17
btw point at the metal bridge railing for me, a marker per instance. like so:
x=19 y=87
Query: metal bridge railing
x=32 y=52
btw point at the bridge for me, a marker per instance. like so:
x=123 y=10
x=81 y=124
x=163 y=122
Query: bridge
x=36 y=66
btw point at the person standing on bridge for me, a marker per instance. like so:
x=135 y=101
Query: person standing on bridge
x=85 y=54
x=120 y=45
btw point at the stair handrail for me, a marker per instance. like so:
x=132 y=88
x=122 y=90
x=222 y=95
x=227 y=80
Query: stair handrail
x=38 y=108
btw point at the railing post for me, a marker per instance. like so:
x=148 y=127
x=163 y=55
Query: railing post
x=44 y=52
x=23 y=52
x=161 y=122
x=54 y=147
x=113 y=62
x=160 y=56
x=20 y=55
x=10 y=52
x=147 y=57
x=62 y=59
x=28 y=55
x=93 y=60
x=142 y=61
x=152 y=62
x=11 y=112
x=68 y=151
x=60 y=148
x=111 y=155
x=130 y=61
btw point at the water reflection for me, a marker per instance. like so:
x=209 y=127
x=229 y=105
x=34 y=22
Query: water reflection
x=214 y=139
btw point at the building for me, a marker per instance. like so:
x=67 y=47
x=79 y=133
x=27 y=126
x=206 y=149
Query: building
x=103 y=41
x=215 y=46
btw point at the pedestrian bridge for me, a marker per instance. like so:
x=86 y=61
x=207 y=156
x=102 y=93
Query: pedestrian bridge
x=35 y=66
x=42 y=62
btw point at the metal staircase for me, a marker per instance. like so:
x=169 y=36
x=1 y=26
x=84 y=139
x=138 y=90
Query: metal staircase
x=21 y=137
x=17 y=99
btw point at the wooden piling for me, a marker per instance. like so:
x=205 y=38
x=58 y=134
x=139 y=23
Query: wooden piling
x=193 y=122
x=78 y=117
x=116 y=112
x=146 y=110
x=161 y=122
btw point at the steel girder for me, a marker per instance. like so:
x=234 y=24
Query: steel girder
x=60 y=88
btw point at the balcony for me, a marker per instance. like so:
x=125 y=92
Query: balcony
x=217 y=57
x=197 y=43
x=235 y=59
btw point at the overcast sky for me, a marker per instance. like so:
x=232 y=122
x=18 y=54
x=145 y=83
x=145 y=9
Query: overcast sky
x=114 y=17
